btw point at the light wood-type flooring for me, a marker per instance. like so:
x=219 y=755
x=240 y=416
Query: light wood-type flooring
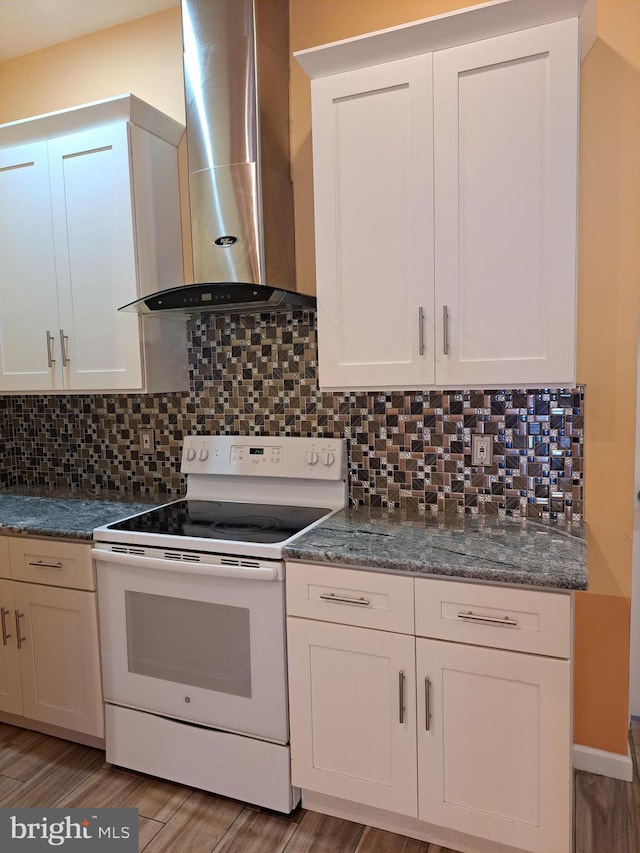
x=41 y=771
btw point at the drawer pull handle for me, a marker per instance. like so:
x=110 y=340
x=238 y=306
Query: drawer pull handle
x=40 y=564
x=490 y=620
x=339 y=599
x=19 y=637
x=3 y=618
x=401 y=697
x=427 y=704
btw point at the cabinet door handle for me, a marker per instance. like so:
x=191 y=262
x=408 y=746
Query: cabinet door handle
x=50 y=344
x=64 y=348
x=40 y=564
x=427 y=704
x=401 y=697
x=470 y=616
x=445 y=329
x=421 y=330
x=339 y=599
x=19 y=636
x=3 y=619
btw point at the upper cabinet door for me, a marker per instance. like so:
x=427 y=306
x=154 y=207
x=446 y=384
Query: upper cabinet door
x=372 y=151
x=505 y=131
x=91 y=192
x=29 y=328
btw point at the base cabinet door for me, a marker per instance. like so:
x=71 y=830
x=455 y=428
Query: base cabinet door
x=494 y=744
x=352 y=705
x=59 y=656
x=10 y=682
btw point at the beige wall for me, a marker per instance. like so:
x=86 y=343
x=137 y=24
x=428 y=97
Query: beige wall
x=144 y=57
x=609 y=288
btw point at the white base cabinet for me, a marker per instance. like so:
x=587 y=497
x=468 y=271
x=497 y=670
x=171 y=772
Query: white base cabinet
x=89 y=202
x=49 y=658
x=445 y=193
x=495 y=759
x=461 y=723
x=353 y=713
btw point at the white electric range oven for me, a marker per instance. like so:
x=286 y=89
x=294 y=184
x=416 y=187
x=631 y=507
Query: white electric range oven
x=192 y=620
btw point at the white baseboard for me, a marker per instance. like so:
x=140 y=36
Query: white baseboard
x=602 y=762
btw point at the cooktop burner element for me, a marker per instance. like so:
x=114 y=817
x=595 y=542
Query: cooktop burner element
x=229 y=520
x=245 y=525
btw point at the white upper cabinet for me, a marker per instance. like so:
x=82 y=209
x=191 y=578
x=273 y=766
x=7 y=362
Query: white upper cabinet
x=28 y=287
x=506 y=143
x=92 y=222
x=373 y=195
x=445 y=185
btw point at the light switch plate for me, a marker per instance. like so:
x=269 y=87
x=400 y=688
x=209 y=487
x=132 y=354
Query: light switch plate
x=481 y=449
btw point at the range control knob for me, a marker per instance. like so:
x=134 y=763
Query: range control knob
x=329 y=458
x=190 y=454
x=203 y=455
x=312 y=457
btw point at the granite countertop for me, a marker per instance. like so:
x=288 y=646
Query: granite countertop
x=510 y=550
x=65 y=514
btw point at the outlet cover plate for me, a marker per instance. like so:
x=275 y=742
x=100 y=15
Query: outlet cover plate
x=147 y=442
x=481 y=449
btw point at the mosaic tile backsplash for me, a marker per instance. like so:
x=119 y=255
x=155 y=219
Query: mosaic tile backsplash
x=6 y=442
x=257 y=376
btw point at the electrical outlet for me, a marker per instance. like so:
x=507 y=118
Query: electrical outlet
x=147 y=441
x=481 y=449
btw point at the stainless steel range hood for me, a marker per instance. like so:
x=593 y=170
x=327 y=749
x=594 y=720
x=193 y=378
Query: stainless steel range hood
x=236 y=69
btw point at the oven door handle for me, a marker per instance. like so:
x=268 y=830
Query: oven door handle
x=266 y=573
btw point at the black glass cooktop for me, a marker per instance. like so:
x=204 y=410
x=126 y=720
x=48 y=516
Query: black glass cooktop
x=241 y=522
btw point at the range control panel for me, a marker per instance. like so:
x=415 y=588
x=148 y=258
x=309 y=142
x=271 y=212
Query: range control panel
x=265 y=456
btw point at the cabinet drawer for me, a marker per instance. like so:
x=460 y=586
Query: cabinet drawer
x=52 y=563
x=525 y=620
x=350 y=597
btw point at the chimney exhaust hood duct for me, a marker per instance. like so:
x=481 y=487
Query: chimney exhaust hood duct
x=236 y=71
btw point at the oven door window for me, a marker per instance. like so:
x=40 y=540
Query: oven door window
x=196 y=643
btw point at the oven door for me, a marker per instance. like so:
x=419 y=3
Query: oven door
x=194 y=645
